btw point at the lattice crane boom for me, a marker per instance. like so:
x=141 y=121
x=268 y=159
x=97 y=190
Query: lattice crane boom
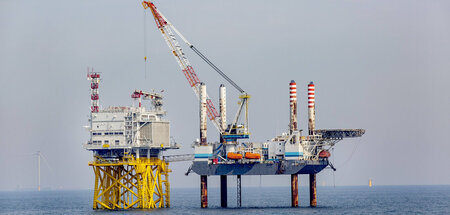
x=161 y=21
x=167 y=30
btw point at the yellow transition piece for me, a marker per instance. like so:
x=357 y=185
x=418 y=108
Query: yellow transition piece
x=131 y=183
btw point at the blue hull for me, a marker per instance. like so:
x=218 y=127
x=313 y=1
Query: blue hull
x=273 y=168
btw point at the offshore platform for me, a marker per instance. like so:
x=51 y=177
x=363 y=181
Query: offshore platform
x=127 y=142
x=287 y=154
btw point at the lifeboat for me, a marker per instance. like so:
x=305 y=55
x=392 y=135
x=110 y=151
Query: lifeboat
x=234 y=156
x=250 y=155
x=324 y=154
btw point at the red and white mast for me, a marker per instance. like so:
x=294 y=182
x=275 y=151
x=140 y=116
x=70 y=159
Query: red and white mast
x=311 y=108
x=137 y=95
x=95 y=81
x=293 y=106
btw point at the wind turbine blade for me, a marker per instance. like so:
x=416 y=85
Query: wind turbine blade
x=47 y=163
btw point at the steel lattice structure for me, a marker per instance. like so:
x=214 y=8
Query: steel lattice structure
x=132 y=183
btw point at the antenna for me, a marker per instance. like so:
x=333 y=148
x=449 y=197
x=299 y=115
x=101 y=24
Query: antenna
x=95 y=80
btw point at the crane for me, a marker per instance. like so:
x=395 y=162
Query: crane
x=167 y=29
x=155 y=97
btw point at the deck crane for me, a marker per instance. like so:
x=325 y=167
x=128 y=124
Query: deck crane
x=155 y=97
x=233 y=131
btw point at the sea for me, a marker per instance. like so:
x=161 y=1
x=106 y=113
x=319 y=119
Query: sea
x=255 y=201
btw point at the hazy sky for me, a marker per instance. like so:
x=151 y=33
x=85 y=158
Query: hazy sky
x=378 y=65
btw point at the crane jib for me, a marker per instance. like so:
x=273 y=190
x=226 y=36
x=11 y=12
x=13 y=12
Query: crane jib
x=166 y=30
x=161 y=21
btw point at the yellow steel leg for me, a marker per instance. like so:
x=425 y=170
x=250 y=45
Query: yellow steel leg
x=132 y=183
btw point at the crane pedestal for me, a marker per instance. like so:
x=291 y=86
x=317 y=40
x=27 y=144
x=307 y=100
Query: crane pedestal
x=131 y=183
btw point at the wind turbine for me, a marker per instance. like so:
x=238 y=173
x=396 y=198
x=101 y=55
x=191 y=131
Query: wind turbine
x=39 y=155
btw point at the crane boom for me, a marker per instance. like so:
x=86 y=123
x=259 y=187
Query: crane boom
x=233 y=131
x=166 y=30
x=163 y=20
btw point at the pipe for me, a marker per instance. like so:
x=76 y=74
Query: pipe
x=223 y=107
x=311 y=109
x=293 y=106
x=203 y=127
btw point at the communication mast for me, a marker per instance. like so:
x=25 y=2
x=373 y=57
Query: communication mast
x=95 y=81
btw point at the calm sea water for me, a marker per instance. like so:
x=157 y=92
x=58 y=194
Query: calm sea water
x=339 y=200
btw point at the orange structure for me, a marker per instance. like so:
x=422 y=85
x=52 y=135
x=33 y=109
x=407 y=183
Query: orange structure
x=234 y=156
x=250 y=155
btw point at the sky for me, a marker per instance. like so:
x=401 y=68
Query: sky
x=378 y=65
